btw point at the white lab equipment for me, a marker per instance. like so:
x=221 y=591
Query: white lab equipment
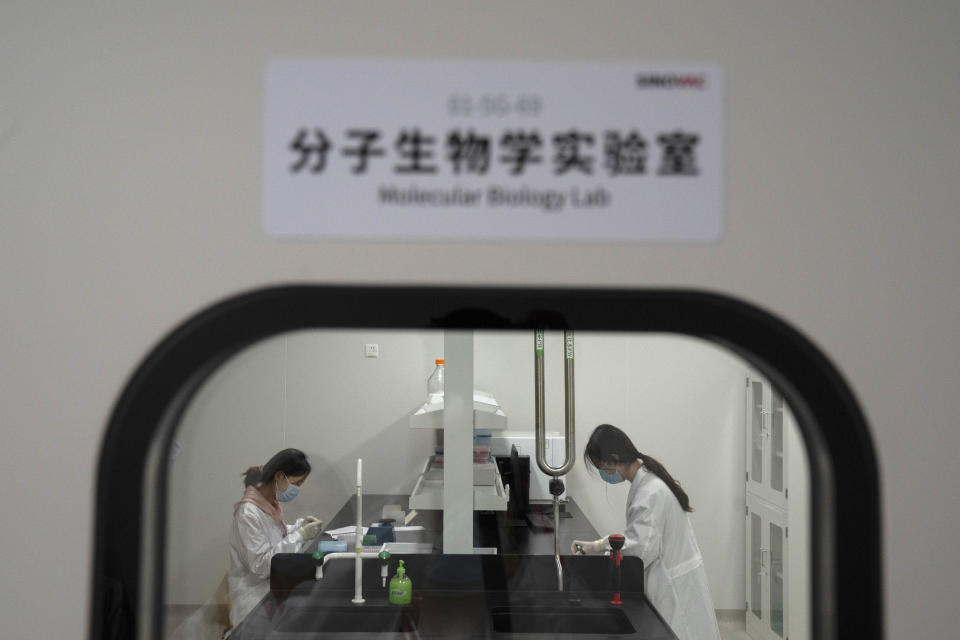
x=409 y=539
x=489 y=492
x=487 y=413
x=459 y=412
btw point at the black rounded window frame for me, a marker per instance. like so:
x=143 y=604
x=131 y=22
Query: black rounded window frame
x=846 y=586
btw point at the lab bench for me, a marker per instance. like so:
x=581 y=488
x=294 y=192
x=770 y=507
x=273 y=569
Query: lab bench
x=534 y=536
x=458 y=596
x=512 y=594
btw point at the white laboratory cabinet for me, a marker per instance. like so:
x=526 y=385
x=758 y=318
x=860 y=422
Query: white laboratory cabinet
x=768 y=420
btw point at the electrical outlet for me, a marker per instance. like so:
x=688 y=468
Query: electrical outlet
x=371 y=350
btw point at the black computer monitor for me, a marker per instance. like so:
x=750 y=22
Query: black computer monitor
x=520 y=486
x=515 y=472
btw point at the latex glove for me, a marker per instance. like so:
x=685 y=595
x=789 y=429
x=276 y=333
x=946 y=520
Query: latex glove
x=310 y=528
x=584 y=547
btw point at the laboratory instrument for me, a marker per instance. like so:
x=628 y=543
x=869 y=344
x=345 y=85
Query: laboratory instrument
x=556 y=484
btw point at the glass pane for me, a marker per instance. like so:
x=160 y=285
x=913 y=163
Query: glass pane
x=321 y=392
x=757 y=433
x=776 y=579
x=776 y=461
x=756 y=571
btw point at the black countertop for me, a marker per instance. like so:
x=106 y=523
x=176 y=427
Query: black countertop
x=463 y=596
x=462 y=614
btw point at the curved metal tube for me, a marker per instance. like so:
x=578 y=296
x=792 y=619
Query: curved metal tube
x=569 y=451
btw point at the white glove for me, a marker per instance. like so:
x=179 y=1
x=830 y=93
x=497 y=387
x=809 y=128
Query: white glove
x=311 y=527
x=583 y=547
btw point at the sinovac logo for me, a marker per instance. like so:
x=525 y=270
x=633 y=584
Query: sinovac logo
x=671 y=80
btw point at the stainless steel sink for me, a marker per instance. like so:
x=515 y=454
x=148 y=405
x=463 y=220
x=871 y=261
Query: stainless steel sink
x=351 y=619
x=601 y=621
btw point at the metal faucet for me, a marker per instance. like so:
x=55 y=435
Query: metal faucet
x=569 y=450
x=322 y=559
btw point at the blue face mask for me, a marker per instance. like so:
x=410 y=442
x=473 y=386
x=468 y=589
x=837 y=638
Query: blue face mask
x=289 y=493
x=612 y=478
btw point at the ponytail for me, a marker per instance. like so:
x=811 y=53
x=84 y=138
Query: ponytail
x=290 y=462
x=252 y=476
x=657 y=469
x=608 y=441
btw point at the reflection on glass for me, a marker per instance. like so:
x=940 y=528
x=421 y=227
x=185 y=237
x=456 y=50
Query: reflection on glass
x=321 y=392
x=776 y=461
x=776 y=579
x=757 y=423
x=756 y=570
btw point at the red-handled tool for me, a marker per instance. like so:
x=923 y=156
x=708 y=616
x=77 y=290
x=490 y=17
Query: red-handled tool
x=616 y=543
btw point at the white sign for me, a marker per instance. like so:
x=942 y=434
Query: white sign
x=494 y=150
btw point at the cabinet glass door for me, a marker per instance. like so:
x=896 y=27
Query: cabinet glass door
x=777 y=409
x=776 y=578
x=756 y=435
x=756 y=566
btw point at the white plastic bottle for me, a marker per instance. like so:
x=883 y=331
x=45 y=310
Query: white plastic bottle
x=435 y=383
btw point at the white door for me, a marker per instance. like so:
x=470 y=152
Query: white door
x=767 y=537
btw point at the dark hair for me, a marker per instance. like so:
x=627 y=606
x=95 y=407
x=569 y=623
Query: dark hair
x=607 y=441
x=292 y=462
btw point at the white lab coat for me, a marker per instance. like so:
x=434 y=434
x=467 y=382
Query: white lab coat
x=659 y=533
x=254 y=539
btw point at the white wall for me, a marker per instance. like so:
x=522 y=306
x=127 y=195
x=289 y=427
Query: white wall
x=130 y=184
x=681 y=400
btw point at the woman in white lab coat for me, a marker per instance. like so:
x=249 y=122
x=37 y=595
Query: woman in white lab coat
x=258 y=531
x=658 y=532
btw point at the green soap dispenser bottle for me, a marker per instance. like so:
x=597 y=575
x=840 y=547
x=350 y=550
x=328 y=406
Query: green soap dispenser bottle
x=401 y=588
